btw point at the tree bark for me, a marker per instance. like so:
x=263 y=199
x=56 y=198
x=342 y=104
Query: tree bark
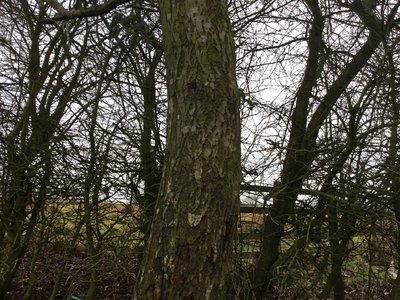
x=189 y=249
x=151 y=171
x=394 y=162
x=30 y=139
x=295 y=167
x=302 y=142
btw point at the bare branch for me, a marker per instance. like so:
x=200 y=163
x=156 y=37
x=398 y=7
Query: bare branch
x=64 y=14
x=255 y=188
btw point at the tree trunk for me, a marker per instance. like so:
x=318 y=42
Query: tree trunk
x=393 y=163
x=295 y=165
x=151 y=172
x=190 y=246
x=29 y=143
x=300 y=154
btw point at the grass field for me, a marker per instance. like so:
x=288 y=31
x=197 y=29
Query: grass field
x=60 y=256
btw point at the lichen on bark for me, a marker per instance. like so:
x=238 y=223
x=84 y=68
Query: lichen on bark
x=188 y=254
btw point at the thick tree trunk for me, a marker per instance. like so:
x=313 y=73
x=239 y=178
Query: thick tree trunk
x=189 y=250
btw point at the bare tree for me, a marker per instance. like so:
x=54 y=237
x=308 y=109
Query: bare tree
x=41 y=83
x=305 y=128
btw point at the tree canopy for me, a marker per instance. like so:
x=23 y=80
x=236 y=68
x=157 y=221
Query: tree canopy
x=128 y=129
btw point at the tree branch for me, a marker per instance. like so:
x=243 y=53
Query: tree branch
x=107 y=6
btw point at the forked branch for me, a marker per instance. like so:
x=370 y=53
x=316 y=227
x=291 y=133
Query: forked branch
x=107 y=6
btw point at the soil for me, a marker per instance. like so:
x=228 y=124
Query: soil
x=116 y=275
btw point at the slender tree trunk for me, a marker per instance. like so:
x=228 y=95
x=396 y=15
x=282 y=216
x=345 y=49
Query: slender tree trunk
x=394 y=162
x=151 y=172
x=20 y=231
x=335 y=280
x=189 y=250
x=339 y=238
x=300 y=152
x=295 y=165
